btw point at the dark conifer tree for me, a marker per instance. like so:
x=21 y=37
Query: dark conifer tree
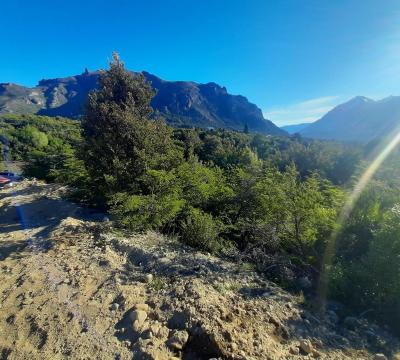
x=121 y=140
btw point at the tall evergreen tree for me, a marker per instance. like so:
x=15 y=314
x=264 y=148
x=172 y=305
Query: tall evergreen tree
x=121 y=141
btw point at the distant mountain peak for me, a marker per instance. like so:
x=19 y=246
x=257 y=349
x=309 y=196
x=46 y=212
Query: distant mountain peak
x=357 y=101
x=361 y=98
x=360 y=119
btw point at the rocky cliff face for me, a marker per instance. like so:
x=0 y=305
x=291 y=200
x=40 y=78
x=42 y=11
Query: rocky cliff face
x=19 y=99
x=181 y=103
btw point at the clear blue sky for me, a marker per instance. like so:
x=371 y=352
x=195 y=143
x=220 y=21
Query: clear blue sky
x=294 y=59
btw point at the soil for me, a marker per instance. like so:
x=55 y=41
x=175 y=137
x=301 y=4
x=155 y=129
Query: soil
x=75 y=287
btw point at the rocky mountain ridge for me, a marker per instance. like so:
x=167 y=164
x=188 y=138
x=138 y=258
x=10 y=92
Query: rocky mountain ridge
x=181 y=103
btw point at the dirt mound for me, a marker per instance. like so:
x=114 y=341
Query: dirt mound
x=78 y=289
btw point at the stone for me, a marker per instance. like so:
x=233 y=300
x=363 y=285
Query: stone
x=142 y=307
x=162 y=332
x=138 y=316
x=114 y=306
x=136 y=326
x=380 y=357
x=316 y=353
x=147 y=334
x=294 y=350
x=178 y=339
x=149 y=278
x=306 y=346
x=155 y=328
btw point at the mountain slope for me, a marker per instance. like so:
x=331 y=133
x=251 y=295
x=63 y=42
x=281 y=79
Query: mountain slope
x=19 y=99
x=359 y=120
x=292 y=129
x=182 y=103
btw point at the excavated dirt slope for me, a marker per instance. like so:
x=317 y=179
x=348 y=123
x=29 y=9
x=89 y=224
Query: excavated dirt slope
x=75 y=288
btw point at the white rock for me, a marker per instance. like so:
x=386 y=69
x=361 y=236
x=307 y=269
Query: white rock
x=138 y=315
x=380 y=357
x=306 y=346
x=143 y=307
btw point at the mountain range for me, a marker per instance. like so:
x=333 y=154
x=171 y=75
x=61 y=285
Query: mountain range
x=181 y=103
x=359 y=120
x=190 y=104
x=296 y=128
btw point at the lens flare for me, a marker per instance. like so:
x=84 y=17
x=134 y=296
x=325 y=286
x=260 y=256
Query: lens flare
x=345 y=213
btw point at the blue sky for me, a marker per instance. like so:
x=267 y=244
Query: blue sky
x=295 y=59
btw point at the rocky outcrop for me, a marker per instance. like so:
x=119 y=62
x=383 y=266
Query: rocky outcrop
x=181 y=103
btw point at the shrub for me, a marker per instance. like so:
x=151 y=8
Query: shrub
x=200 y=230
x=372 y=282
x=145 y=212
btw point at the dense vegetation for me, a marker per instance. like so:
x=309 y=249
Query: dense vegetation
x=269 y=201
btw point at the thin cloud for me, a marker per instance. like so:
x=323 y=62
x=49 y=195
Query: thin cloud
x=302 y=112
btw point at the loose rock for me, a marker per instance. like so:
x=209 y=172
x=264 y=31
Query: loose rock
x=306 y=346
x=380 y=357
x=138 y=317
x=142 y=307
x=178 y=339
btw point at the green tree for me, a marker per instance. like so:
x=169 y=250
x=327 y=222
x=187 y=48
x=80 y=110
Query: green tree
x=33 y=137
x=121 y=141
x=154 y=210
x=371 y=282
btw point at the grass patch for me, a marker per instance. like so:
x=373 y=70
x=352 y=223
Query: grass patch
x=227 y=286
x=158 y=283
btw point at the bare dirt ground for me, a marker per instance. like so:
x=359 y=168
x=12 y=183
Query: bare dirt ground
x=75 y=288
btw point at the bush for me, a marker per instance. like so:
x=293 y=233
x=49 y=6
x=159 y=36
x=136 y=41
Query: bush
x=200 y=230
x=145 y=212
x=371 y=283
